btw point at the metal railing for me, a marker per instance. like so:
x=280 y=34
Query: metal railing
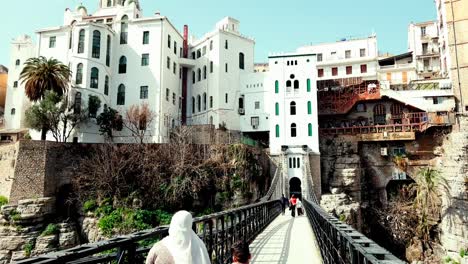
x=218 y=231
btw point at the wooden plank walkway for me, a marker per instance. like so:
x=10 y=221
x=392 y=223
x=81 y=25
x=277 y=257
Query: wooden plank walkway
x=286 y=240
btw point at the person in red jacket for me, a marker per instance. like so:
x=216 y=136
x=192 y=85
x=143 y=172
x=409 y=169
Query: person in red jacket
x=292 y=205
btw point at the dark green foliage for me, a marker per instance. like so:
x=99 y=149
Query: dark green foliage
x=108 y=121
x=89 y=206
x=28 y=248
x=51 y=229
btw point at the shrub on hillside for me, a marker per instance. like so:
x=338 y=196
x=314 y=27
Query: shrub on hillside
x=3 y=200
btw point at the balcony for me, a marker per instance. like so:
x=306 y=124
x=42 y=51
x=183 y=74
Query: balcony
x=188 y=63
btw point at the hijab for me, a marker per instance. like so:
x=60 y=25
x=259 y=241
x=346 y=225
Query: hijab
x=183 y=244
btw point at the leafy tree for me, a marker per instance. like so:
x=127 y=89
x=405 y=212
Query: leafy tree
x=41 y=75
x=57 y=115
x=108 y=121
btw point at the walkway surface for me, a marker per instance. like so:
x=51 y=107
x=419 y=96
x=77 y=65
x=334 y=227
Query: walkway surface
x=286 y=240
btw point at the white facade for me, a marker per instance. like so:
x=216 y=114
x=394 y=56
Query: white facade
x=255 y=97
x=222 y=57
x=445 y=59
x=423 y=41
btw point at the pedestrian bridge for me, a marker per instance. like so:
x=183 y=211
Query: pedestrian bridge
x=274 y=238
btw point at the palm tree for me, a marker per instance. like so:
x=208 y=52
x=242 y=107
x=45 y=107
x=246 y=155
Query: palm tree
x=42 y=74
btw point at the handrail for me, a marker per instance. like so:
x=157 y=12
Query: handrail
x=218 y=231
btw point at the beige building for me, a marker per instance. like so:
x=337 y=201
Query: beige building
x=453 y=28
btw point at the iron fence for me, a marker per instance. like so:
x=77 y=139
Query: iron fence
x=218 y=231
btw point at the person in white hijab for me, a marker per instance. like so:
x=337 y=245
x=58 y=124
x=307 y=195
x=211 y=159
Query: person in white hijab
x=181 y=246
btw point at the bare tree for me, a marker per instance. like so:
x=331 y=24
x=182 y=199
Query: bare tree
x=137 y=120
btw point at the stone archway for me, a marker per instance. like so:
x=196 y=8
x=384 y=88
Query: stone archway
x=295 y=187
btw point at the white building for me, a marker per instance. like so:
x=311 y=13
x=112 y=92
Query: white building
x=254 y=103
x=423 y=42
x=445 y=58
x=222 y=57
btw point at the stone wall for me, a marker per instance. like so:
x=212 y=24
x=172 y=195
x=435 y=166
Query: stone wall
x=208 y=134
x=7 y=167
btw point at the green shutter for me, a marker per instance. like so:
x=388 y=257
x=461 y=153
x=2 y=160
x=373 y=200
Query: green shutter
x=277 y=109
x=276 y=87
x=308 y=85
x=277 y=131
x=310 y=129
x=309 y=107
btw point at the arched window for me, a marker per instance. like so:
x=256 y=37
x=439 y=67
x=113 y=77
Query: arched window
x=123 y=2
x=77 y=106
x=296 y=84
x=380 y=113
x=226 y=44
x=308 y=85
x=81 y=41
x=309 y=128
x=292 y=108
x=94 y=77
x=199 y=74
x=13 y=111
x=124 y=29
x=96 y=53
x=204 y=72
x=211 y=120
x=309 y=107
x=173 y=123
x=18 y=62
x=193 y=104
x=277 y=131
x=241 y=61
x=193 y=77
x=204 y=101
x=290 y=163
x=106 y=85
x=293 y=130
x=211 y=101
x=123 y=64
x=199 y=103
x=121 y=95
x=277 y=109
x=108 y=51
x=109 y=3
x=298 y=159
x=276 y=87
x=288 y=84
x=79 y=74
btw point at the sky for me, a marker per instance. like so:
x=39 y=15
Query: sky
x=276 y=26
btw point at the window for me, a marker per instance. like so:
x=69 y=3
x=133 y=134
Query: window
x=146 y=35
x=52 y=42
x=142 y=123
x=226 y=44
x=108 y=51
x=124 y=30
x=363 y=68
x=277 y=131
x=347 y=54
x=241 y=61
x=380 y=113
x=204 y=51
x=319 y=57
x=144 y=92
x=15 y=84
x=255 y=121
x=362 y=52
x=288 y=84
x=211 y=101
x=423 y=31
x=204 y=72
x=18 y=62
x=79 y=74
x=276 y=87
x=309 y=107
x=349 y=70
x=292 y=108
x=77 y=106
x=13 y=111
x=257 y=105
x=193 y=77
x=320 y=72
x=106 y=85
x=123 y=64
x=211 y=67
x=437 y=100
x=109 y=3
x=96 y=52
x=193 y=104
x=169 y=41
x=334 y=71
x=175 y=48
x=94 y=78
x=293 y=130
x=204 y=101
x=296 y=84
x=309 y=128
x=167 y=94
x=226 y=67
x=298 y=162
x=121 y=95
x=226 y=98
x=198 y=53
x=277 y=109
x=199 y=103
x=81 y=40
x=308 y=85
x=174 y=67
x=168 y=63
x=173 y=98
x=193 y=55
x=211 y=45
x=199 y=74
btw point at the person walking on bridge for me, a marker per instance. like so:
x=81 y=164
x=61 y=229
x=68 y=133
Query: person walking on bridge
x=284 y=202
x=292 y=205
x=181 y=246
x=300 y=208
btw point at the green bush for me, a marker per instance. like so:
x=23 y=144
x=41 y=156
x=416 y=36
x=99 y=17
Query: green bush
x=109 y=222
x=89 y=206
x=15 y=215
x=28 y=248
x=51 y=229
x=3 y=200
